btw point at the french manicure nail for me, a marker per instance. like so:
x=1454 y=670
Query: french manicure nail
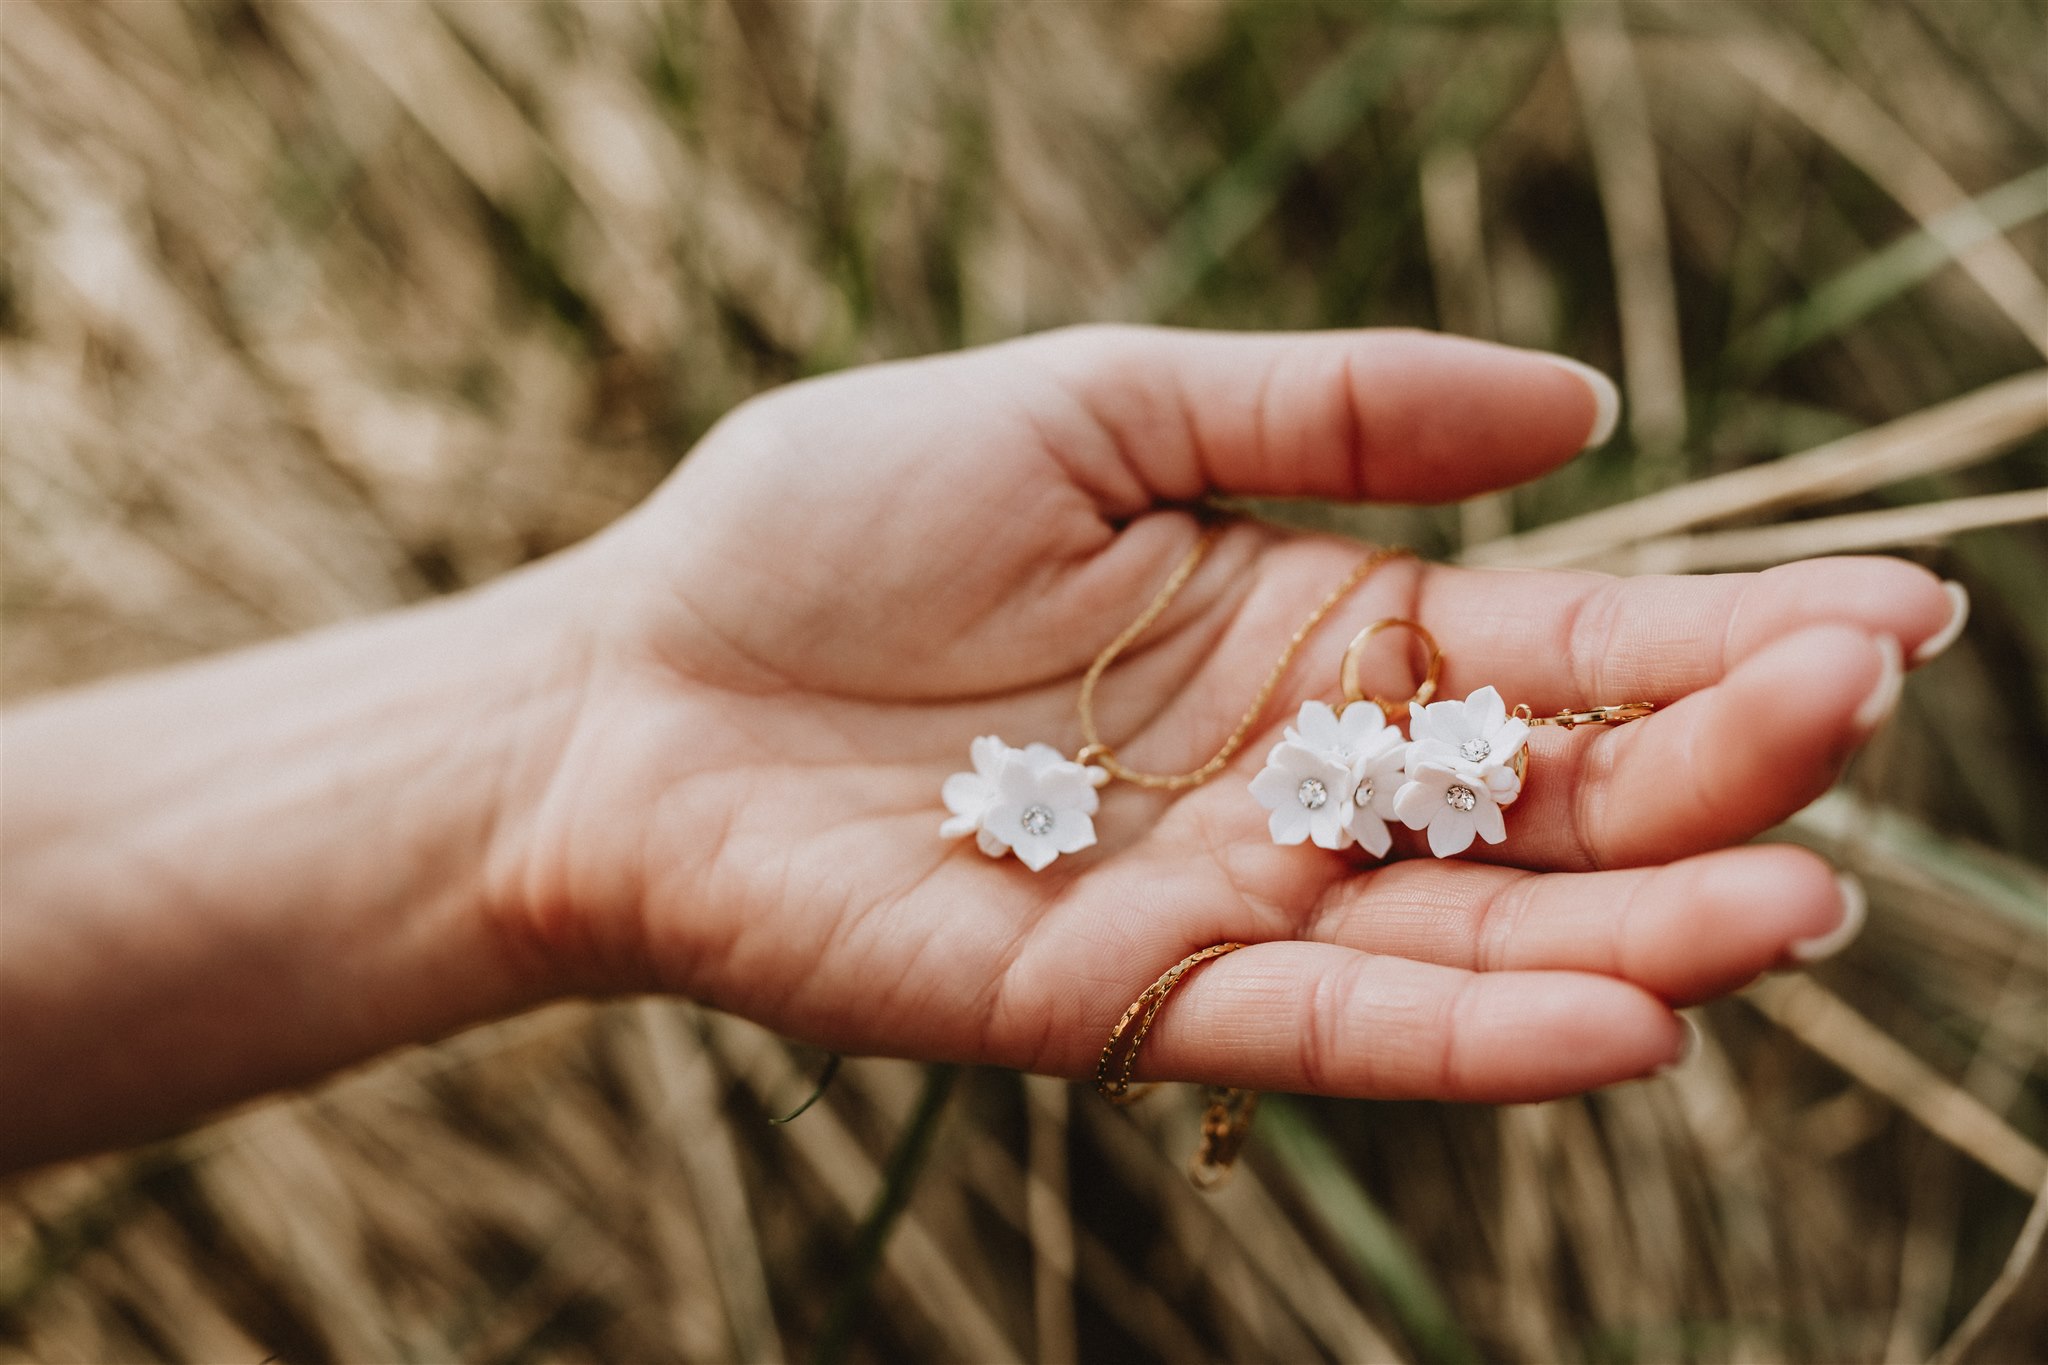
x=1884 y=697
x=1935 y=645
x=1688 y=1048
x=1855 y=910
x=1606 y=398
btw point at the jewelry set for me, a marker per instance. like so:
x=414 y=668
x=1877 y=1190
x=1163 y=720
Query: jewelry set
x=1339 y=777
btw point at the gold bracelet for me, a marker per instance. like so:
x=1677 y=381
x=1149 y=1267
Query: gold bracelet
x=1226 y=1122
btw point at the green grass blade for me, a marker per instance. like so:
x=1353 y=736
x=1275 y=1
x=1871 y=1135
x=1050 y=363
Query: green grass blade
x=906 y=1162
x=1373 y=1242
x=1848 y=297
x=1232 y=204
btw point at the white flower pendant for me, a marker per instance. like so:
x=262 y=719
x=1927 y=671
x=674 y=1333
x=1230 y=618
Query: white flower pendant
x=1333 y=779
x=1461 y=771
x=1031 y=801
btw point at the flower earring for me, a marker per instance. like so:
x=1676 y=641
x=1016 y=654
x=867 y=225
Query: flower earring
x=1030 y=800
x=1335 y=777
x=1467 y=760
x=1038 y=804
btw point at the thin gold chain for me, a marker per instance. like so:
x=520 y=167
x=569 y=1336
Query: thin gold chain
x=1116 y=1088
x=1094 y=751
x=1227 y=1115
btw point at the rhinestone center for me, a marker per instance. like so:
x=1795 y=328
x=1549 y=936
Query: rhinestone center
x=1460 y=798
x=1312 y=793
x=1475 y=750
x=1363 y=796
x=1037 y=820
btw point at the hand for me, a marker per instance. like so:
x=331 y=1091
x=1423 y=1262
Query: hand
x=853 y=577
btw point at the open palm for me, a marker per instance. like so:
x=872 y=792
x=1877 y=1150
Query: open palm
x=792 y=644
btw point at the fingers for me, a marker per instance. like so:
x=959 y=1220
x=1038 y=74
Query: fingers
x=1391 y=415
x=1685 y=932
x=1551 y=640
x=1557 y=640
x=1715 y=768
x=1318 y=1018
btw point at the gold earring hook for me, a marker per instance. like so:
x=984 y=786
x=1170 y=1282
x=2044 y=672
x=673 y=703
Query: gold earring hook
x=1620 y=713
x=1355 y=651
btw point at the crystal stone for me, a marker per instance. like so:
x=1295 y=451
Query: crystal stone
x=1363 y=796
x=1037 y=820
x=1475 y=750
x=1312 y=793
x=1460 y=798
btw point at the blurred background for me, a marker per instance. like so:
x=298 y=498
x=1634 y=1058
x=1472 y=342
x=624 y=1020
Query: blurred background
x=312 y=309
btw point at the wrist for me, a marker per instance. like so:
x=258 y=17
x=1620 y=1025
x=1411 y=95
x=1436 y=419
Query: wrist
x=609 y=727
x=281 y=856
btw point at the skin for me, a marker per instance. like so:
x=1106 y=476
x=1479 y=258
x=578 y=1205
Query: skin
x=701 y=753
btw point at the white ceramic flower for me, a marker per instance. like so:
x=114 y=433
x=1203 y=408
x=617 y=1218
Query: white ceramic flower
x=1461 y=771
x=1453 y=806
x=1333 y=778
x=1031 y=801
x=1309 y=794
x=1475 y=738
x=1376 y=776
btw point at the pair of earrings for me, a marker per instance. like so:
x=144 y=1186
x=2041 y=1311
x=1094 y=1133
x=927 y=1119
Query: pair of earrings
x=1344 y=774
x=1339 y=776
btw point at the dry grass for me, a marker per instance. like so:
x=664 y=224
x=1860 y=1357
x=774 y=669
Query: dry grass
x=309 y=309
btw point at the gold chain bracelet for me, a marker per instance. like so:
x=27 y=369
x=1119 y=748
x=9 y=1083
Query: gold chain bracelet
x=1227 y=1120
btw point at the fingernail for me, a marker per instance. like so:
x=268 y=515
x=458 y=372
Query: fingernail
x=1935 y=645
x=1688 y=1047
x=1606 y=398
x=1855 y=909
x=1891 y=680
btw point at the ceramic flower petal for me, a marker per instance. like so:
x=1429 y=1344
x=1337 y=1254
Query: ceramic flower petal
x=1036 y=852
x=1316 y=727
x=987 y=755
x=965 y=793
x=1506 y=738
x=1371 y=832
x=1331 y=831
x=1288 y=824
x=1043 y=757
x=1450 y=833
x=1067 y=785
x=1487 y=820
x=1360 y=724
x=1074 y=832
x=1416 y=801
x=1274 y=787
x=1299 y=761
x=1486 y=711
x=1440 y=722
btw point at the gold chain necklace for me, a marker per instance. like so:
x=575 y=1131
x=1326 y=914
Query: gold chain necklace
x=1095 y=751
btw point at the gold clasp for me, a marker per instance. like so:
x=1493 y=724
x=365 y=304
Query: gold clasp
x=1226 y=1123
x=1619 y=714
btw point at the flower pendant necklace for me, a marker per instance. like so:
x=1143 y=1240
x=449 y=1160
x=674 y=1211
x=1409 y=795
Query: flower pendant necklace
x=1038 y=804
